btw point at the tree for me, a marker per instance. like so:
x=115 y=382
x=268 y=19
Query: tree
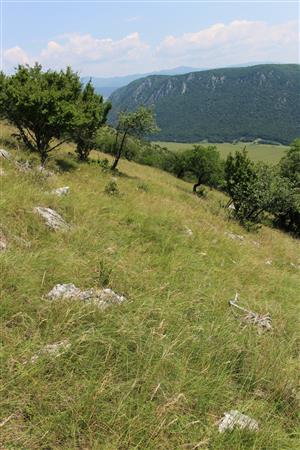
x=288 y=215
x=42 y=105
x=239 y=175
x=90 y=116
x=290 y=163
x=136 y=124
x=205 y=164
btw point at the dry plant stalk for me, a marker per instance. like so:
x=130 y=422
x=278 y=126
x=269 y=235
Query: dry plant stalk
x=262 y=321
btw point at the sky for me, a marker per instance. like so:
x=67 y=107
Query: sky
x=116 y=38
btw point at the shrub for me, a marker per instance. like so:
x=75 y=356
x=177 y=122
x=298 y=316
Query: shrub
x=112 y=188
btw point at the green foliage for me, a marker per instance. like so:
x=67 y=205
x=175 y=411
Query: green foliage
x=136 y=124
x=112 y=188
x=239 y=181
x=259 y=189
x=290 y=163
x=220 y=105
x=42 y=105
x=91 y=115
x=204 y=163
x=288 y=215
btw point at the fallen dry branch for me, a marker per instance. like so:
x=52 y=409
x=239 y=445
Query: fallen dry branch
x=263 y=322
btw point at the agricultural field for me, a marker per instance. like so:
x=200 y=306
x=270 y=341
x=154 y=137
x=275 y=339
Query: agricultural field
x=257 y=152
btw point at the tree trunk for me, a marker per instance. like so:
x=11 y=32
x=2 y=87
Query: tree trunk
x=196 y=185
x=115 y=163
x=44 y=157
x=119 y=152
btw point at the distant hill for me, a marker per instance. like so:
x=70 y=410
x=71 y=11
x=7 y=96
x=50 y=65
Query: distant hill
x=106 y=86
x=261 y=101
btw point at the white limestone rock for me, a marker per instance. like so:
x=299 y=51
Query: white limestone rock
x=64 y=291
x=61 y=191
x=102 y=298
x=52 y=218
x=235 y=419
x=55 y=350
x=188 y=231
x=235 y=237
x=3 y=242
x=46 y=172
x=23 y=166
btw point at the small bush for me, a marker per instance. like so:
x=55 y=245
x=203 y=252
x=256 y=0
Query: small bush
x=143 y=187
x=112 y=188
x=202 y=192
x=104 y=164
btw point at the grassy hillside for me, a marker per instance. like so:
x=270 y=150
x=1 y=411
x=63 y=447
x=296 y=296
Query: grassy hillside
x=220 y=105
x=257 y=152
x=160 y=370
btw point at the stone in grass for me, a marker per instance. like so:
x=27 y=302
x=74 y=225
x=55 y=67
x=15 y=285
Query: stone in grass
x=2 y=173
x=46 y=172
x=3 y=242
x=61 y=191
x=235 y=419
x=102 y=298
x=5 y=154
x=188 y=231
x=55 y=350
x=236 y=237
x=52 y=218
x=23 y=166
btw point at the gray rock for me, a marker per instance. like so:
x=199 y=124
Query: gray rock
x=64 y=291
x=23 y=166
x=61 y=191
x=99 y=297
x=5 y=154
x=188 y=231
x=55 y=350
x=3 y=242
x=236 y=237
x=52 y=218
x=46 y=172
x=235 y=419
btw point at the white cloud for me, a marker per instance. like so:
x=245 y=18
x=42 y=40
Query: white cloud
x=233 y=43
x=14 y=56
x=238 y=42
x=84 y=49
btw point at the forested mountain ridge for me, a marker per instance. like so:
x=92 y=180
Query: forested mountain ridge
x=261 y=101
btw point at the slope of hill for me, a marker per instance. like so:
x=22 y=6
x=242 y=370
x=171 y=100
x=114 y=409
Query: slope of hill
x=220 y=105
x=107 y=85
x=160 y=370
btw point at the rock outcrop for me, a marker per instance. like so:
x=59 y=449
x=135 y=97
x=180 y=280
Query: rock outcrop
x=102 y=298
x=52 y=218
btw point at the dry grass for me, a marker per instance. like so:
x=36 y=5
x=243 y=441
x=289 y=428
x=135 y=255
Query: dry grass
x=159 y=371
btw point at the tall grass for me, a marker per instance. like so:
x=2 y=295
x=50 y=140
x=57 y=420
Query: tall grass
x=159 y=371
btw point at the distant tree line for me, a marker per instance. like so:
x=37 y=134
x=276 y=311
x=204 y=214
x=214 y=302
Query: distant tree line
x=50 y=108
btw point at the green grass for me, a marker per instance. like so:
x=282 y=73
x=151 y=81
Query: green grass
x=257 y=152
x=160 y=370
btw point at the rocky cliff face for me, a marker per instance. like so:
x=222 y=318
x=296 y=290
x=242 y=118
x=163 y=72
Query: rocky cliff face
x=260 y=101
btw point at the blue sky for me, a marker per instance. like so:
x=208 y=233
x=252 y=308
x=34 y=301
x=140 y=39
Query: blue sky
x=118 y=38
